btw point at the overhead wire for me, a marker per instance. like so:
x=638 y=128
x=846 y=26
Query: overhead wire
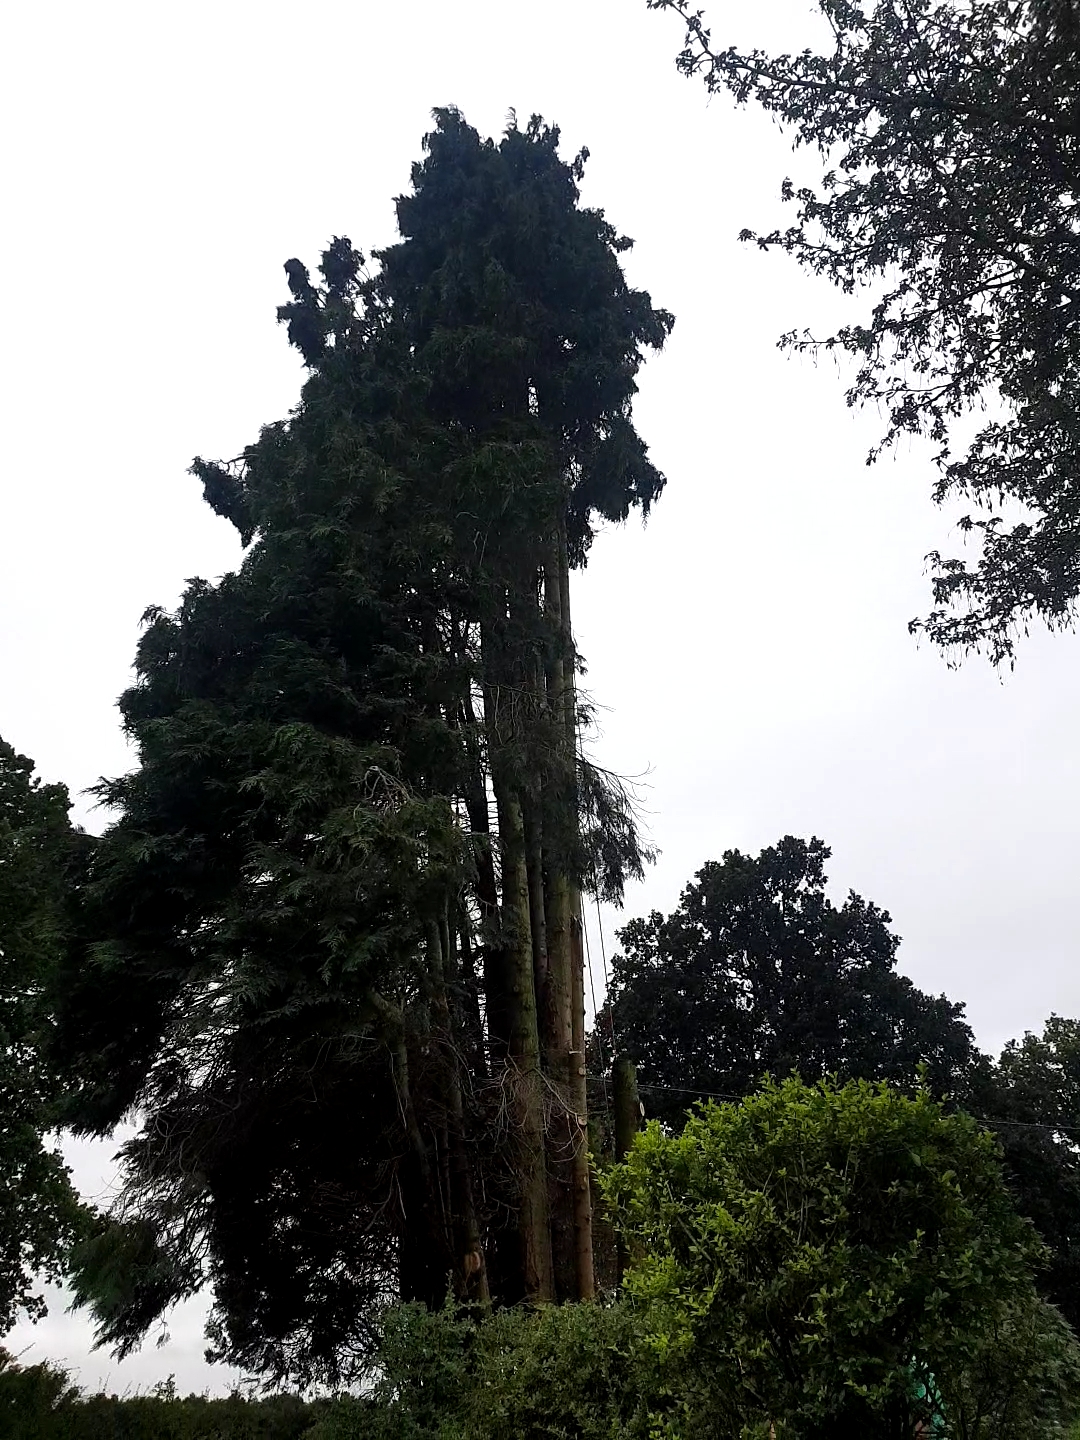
x=1044 y=1126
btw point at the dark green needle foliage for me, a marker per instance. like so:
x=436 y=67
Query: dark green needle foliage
x=332 y=964
x=41 y=857
x=757 y=971
x=950 y=150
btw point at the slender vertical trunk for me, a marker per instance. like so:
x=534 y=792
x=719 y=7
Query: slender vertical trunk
x=422 y=1254
x=496 y=985
x=473 y=1023
x=503 y=1266
x=556 y=993
x=525 y=1072
x=625 y=1103
x=558 y=1044
x=470 y=1271
x=582 y=1179
x=581 y=1182
x=627 y=1110
x=523 y=1041
x=534 y=865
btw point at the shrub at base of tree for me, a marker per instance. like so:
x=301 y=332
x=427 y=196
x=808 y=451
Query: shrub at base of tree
x=808 y=1259
x=573 y=1370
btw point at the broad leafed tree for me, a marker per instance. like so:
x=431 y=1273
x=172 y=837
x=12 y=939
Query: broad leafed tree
x=757 y=972
x=1033 y=1100
x=950 y=149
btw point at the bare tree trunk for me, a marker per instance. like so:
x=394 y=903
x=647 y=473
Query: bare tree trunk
x=555 y=994
x=470 y=1270
x=583 y=1210
x=525 y=1074
x=558 y=1043
x=582 y=1186
x=523 y=1071
x=534 y=863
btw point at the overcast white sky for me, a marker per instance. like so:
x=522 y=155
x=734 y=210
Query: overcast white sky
x=163 y=161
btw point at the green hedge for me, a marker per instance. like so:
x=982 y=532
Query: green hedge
x=38 y=1403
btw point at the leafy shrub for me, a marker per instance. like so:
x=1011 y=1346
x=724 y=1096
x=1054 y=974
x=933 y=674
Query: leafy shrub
x=573 y=1372
x=801 y=1256
x=801 y=1262
x=39 y=1402
x=576 y=1371
x=30 y=1399
x=152 y=1417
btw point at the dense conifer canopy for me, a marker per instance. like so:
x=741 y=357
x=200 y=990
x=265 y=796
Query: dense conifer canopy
x=329 y=917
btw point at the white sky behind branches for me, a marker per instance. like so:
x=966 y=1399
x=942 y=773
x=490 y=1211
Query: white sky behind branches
x=749 y=645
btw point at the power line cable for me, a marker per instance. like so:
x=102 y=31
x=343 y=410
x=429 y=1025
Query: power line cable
x=1044 y=1126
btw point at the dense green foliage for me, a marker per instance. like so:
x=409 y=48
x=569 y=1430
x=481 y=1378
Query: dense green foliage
x=758 y=972
x=591 y=1372
x=334 y=963
x=574 y=1370
x=40 y=855
x=799 y=1261
x=1034 y=1099
x=951 y=174
x=1023 y=1378
x=38 y=1402
x=803 y=1254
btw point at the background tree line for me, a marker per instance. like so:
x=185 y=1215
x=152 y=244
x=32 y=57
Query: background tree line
x=757 y=972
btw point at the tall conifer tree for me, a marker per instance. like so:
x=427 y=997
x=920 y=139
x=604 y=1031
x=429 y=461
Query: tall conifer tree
x=338 y=965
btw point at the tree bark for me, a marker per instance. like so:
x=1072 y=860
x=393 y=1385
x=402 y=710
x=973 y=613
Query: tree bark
x=582 y=1178
x=563 y=676
x=523 y=1070
x=524 y=1073
x=470 y=1270
x=534 y=862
